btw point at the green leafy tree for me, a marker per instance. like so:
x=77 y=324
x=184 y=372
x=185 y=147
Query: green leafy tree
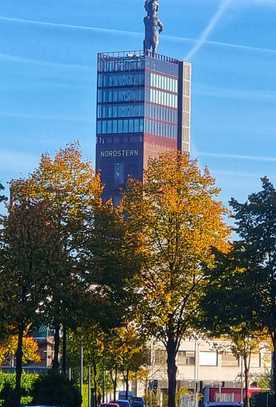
x=255 y=222
x=228 y=307
x=2 y=197
x=176 y=220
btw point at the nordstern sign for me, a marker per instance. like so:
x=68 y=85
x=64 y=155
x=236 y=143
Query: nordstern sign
x=119 y=153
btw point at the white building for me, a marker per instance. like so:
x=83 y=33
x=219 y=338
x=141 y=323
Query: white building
x=201 y=363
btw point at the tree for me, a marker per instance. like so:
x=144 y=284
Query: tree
x=92 y=339
x=30 y=350
x=227 y=307
x=176 y=220
x=69 y=188
x=3 y=327
x=2 y=197
x=24 y=242
x=255 y=223
x=108 y=255
x=127 y=354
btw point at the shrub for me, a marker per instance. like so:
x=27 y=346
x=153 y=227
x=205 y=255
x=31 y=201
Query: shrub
x=56 y=389
x=264 y=399
x=7 y=386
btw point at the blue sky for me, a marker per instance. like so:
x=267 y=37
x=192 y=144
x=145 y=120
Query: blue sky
x=48 y=79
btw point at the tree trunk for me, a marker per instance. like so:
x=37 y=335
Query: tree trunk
x=171 y=370
x=273 y=375
x=56 y=346
x=127 y=384
x=18 y=368
x=246 y=380
x=114 y=380
x=94 y=367
x=64 y=351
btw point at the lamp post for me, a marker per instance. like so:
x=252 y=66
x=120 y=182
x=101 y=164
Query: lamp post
x=81 y=370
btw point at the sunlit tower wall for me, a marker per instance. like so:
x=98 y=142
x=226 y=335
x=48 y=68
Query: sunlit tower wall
x=143 y=110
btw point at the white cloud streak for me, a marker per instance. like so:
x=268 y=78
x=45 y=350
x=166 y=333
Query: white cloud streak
x=39 y=62
x=209 y=28
x=198 y=43
x=68 y=26
x=239 y=157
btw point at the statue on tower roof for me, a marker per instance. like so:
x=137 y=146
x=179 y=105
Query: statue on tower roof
x=153 y=26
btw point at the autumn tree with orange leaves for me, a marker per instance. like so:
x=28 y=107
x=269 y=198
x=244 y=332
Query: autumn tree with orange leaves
x=70 y=190
x=175 y=217
x=30 y=350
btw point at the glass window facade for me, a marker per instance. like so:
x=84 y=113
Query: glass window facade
x=120 y=97
x=161 y=108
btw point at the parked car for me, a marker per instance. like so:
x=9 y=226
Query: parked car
x=224 y=404
x=110 y=404
x=122 y=395
x=138 y=402
x=121 y=403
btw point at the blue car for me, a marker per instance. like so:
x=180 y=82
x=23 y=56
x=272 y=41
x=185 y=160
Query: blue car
x=138 y=402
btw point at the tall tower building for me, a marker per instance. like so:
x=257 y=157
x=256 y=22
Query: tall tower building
x=143 y=108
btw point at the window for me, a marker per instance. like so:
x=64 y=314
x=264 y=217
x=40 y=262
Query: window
x=120 y=126
x=186 y=358
x=125 y=126
x=115 y=79
x=160 y=357
x=99 y=127
x=114 y=126
x=104 y=127
x=109 y=126
x=136 y=125
x=208 y=358
x=131 y=126
x=229 y=360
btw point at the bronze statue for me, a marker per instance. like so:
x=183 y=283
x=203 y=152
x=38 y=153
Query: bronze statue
x=153 y=26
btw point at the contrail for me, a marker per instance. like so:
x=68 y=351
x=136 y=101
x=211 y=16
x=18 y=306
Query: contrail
x=198 y=43
x=18 y=59
x=68 y=26
x=210 y=27
x=239 y=157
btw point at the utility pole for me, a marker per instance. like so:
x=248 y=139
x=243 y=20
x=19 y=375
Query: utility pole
x=89 y=386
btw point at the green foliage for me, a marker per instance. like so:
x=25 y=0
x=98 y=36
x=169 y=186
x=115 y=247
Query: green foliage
x=7 y=386
x=55 y=389
x=2 y=197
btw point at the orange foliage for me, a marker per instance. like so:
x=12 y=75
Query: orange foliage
x=30 y=350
